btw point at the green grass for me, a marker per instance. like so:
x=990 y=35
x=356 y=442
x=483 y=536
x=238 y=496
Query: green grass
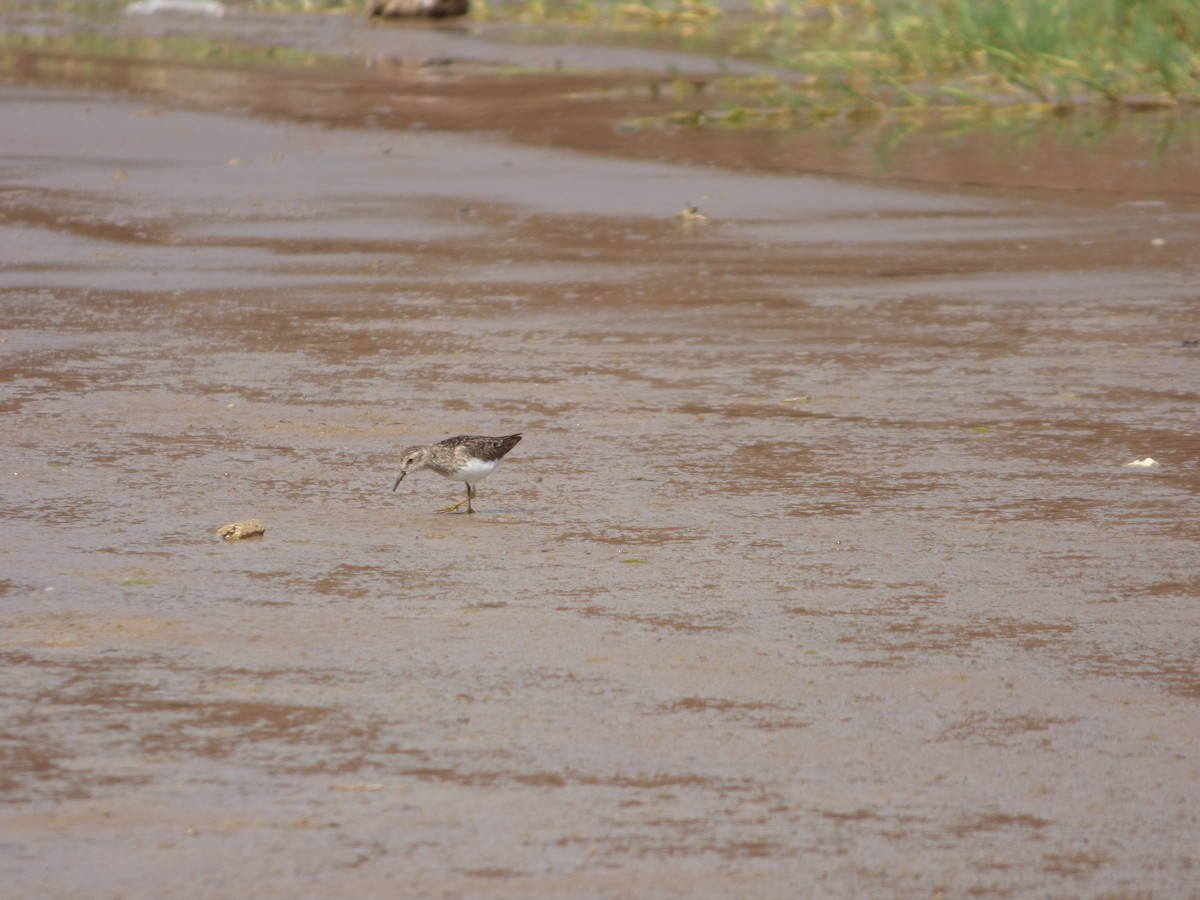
x=909 y=56
x=1059 y=53
x=83 y=47
x=855 y=58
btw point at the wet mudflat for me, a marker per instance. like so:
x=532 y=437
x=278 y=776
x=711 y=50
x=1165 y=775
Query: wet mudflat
x=819 y=572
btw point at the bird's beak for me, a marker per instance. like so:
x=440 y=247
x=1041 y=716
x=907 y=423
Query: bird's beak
x=398 y=480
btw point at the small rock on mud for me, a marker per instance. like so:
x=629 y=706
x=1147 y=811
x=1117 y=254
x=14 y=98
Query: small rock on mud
x=237 y=530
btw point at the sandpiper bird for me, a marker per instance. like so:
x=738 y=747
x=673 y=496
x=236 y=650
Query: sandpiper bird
x=468 y=458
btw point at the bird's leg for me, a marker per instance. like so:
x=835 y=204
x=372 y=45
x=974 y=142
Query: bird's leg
x=466 y=500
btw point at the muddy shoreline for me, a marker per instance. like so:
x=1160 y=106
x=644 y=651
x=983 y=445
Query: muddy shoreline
x=821 y=570
x=486 y=78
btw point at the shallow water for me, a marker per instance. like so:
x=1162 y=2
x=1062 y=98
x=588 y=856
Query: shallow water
x=820 y=570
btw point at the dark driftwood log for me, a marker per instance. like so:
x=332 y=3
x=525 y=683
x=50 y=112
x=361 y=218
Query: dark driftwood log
x=408 y=9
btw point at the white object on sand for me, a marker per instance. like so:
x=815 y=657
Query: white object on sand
x=1147 y=463
x=195 y=7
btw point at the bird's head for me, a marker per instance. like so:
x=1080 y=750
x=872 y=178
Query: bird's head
x=413 y=460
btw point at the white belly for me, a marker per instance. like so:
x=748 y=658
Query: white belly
x=475 y=470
